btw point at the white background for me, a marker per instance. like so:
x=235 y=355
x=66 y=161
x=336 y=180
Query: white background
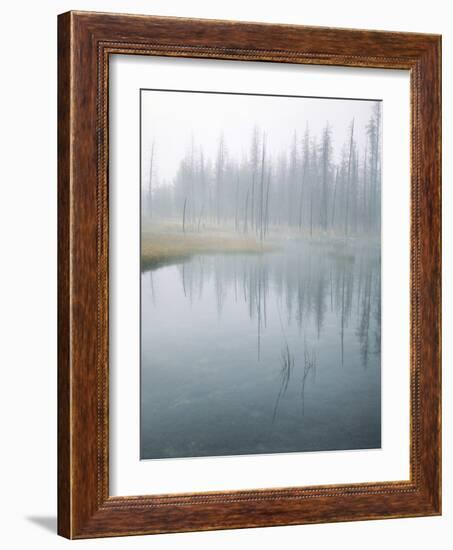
x=28 y=285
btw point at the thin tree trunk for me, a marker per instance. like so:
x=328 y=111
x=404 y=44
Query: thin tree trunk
x=246 y=211
x=334 y=198
x=311 y=210
x=236 y=221
x=349 y=180
x=376 y=163
x=266 y=210
x=199 y=219
x=184 y=216
x=301 y=202
x=252 y=205
x=364 y=220
x=150 y=185
x=262 y=187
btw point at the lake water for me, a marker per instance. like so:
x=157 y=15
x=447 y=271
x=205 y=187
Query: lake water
x=262 y=353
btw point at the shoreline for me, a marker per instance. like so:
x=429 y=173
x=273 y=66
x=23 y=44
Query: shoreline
x=164 y=248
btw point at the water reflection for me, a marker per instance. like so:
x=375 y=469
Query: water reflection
x=306 y=284
x=288 y=341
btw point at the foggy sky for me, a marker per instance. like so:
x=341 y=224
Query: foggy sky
x=173 y=119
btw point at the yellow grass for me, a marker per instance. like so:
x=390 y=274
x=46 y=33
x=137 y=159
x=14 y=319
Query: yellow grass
x=163 y=245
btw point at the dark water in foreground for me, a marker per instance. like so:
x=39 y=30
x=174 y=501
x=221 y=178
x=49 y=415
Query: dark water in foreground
x=247 y=354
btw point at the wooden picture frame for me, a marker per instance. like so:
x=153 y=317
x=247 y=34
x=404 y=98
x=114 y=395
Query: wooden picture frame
x=85 y=42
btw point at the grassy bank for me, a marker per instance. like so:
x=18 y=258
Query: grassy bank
x=165 y=242
x=161 y=247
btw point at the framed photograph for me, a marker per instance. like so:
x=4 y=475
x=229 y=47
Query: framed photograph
x=249 y=275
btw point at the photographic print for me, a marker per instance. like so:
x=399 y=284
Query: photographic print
x=223 y=232
x=260 y=274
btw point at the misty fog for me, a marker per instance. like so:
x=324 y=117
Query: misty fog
x=260 y=257
x=257 y=162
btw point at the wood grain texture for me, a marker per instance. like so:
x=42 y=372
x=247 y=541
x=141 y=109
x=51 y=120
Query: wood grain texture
x=64 y=368
x=85 y=42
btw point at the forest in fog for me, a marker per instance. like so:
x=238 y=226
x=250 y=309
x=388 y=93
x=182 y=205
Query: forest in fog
x=316 y=187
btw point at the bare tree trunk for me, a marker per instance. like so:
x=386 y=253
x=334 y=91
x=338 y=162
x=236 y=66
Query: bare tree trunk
x=311 y=215
x=376 y=162
x=246 y=211
x=199 y=219
x=252 y=205
x=150 y=184
x=301 y=201
x=365 y=207
x=325 y=175
x=236 y=221
x=334 y=198
x=219 y=178
x=349 y=179
x=262 y=187
x=184 y=216
x=266 y=210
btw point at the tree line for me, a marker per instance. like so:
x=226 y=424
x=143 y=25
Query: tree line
x=304 y=189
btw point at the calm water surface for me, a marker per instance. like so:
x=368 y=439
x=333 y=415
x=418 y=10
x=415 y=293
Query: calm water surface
x=247 y=354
